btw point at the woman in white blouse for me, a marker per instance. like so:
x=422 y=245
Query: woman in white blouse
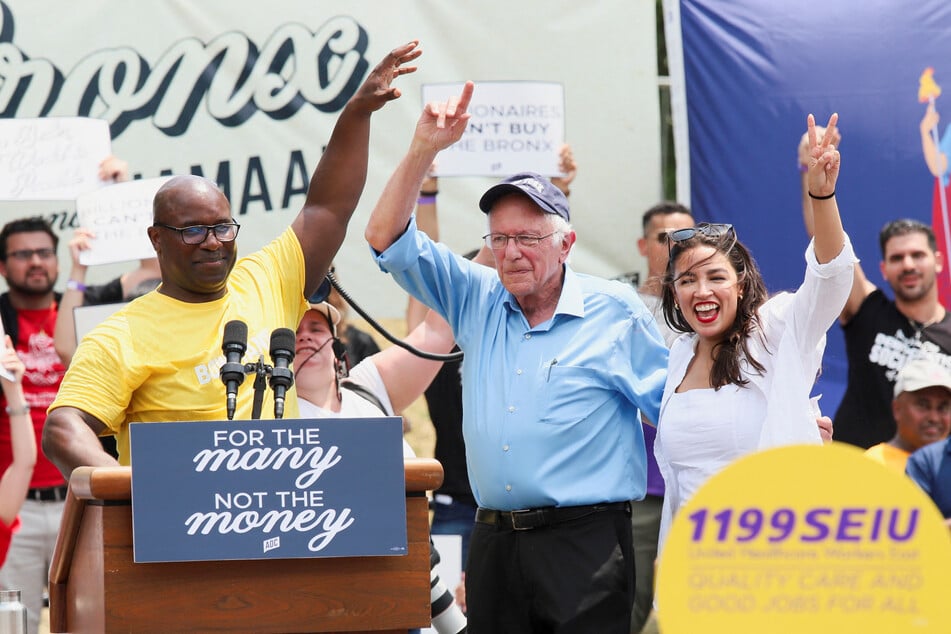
x=739 y=380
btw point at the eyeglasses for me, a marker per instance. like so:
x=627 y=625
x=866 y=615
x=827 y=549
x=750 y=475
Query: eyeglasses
x=25 y=255
x=196 y=234
x=498 y=241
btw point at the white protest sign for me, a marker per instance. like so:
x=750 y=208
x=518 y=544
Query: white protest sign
x=51 y=158
x=516 y=126
x=118 y=216
x=85 y=318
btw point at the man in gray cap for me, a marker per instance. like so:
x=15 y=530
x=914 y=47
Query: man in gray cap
x=922 y=410
x=557 y=365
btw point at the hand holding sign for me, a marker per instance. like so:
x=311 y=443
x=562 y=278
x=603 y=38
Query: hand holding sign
x=568 y=169
x=113 y=169
x=11 y=366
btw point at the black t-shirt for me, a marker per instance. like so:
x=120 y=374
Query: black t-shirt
x=108 y=293
x=444 y=398
x=878 y=341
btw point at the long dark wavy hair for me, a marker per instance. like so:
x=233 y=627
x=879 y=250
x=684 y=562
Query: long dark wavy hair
x=752 y=294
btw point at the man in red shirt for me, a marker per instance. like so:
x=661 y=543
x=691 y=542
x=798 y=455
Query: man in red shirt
x=28 y=263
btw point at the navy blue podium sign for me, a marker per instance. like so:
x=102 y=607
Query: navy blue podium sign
x=267 y=489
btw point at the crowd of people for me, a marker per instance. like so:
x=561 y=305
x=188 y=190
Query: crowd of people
x=586 y=413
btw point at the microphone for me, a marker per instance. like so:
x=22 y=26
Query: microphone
x=282 y=378
x=233 y=345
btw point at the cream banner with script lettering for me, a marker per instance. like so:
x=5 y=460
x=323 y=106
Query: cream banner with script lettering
x=247 y=93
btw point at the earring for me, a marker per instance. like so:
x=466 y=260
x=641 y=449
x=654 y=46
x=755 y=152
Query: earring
x=677 y=307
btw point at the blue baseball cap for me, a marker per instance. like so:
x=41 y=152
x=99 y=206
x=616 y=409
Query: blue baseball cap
x=538 y=188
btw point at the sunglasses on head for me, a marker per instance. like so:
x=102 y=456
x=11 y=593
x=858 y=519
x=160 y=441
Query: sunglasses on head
x=710 y=230
x=705 y=229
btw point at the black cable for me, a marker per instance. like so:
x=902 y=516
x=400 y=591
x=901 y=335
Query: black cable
x=453 y=356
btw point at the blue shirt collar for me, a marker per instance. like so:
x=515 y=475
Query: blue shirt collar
x=570 y=302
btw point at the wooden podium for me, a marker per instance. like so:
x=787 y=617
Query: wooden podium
x=96 y=587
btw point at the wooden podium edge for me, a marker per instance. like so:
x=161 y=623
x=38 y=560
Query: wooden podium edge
x=115 y=484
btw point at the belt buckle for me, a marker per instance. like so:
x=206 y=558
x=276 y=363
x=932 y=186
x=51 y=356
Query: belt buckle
x=526 y=513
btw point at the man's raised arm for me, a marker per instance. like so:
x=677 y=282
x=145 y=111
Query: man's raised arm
x=440 y=125
x=338 y=180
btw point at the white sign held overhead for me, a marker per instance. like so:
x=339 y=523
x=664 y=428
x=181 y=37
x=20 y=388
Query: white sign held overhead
x=53 y=158
x=516 y=126
x=119 y=217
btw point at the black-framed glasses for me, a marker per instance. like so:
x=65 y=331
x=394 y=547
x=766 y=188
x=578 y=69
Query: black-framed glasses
x=498 y=241
x=25 y=255
x=196 y=234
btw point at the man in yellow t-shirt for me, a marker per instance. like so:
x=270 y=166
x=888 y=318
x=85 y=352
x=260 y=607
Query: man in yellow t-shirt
x=158 y=358
x=922 y=409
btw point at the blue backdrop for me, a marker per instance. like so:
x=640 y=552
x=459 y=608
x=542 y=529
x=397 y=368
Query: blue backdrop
x=754 y=69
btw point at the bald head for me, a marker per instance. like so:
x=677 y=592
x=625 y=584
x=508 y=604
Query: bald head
x=183 y=192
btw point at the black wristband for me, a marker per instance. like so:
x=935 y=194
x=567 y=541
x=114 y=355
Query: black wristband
x=814 y=197
x=432 y=193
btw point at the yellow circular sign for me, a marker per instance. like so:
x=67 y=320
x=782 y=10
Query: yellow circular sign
x=806 y=539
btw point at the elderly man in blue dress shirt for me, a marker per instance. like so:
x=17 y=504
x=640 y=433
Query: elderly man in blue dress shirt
x=557 y=365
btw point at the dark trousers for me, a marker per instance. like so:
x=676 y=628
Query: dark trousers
x=575 y=577
x=646 y=524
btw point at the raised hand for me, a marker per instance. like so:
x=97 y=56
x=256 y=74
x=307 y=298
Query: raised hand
x=81 y=241
x=113 y=168
x=376 y=90
x=824 y=158
x=803 y=149
x=11 y=362
x=442 y=123
x=568 y=168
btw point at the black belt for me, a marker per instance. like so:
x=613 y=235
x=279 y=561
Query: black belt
x=47 y=494
x=537 y=518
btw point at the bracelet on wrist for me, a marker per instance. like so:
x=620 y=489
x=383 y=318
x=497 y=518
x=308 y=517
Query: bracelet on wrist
x=814 y=197
x=16 y=411
x=425 y=200
x=432 y=193
x=73 y=285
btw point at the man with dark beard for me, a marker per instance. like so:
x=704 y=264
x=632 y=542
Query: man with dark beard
x=882 y=334
x=29 y=265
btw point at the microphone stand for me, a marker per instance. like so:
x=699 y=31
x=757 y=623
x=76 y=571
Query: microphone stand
x=261 y=370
